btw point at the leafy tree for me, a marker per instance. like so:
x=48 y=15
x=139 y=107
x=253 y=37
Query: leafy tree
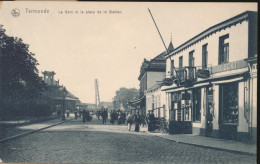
x=123 y=96
x=20 y=84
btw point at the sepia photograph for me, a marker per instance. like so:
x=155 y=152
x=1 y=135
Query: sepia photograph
x=128 y=82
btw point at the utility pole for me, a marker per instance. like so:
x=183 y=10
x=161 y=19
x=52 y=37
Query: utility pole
x=158 y=30
x=97 y=94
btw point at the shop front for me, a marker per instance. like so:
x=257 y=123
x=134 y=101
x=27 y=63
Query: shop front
x=180 y=113
x=228 y=110
x=208 y=103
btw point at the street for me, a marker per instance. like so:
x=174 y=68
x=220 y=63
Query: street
x=92 y=142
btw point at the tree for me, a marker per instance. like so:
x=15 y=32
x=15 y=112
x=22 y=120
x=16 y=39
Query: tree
x=20 y=83
x=123 y=96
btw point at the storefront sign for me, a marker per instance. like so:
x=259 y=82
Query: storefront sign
x=202 y=73
x=167 y=81
x=229 y=66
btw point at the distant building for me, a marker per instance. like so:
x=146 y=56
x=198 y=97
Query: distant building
x=87 y=106
x=55 y=96
x=108 y=105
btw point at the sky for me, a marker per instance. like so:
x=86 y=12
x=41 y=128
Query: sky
x=108 y=46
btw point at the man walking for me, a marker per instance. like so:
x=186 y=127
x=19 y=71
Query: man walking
x=104 y=116
x=129 y=120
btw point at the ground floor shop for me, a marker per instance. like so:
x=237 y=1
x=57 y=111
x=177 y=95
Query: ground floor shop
x=224 y=108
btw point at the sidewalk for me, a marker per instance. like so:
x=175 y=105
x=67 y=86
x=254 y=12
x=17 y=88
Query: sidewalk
x=208 y=142
x=23 y=128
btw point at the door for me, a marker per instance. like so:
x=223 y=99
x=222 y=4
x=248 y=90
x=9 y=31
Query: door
x=209 y=105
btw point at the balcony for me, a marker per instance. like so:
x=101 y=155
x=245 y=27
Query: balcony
x=186 y=75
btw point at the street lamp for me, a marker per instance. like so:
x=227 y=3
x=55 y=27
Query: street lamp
x=64 y=92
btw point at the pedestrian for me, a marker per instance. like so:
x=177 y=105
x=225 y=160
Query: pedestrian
x=129 y=121
x=137 y=123
x=76 y=114
x=151 y=121
x=104 y=116
x=84 y=115
x=80 y=113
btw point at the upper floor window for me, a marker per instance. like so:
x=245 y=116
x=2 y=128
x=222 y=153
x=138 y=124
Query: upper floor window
x=204 y=56
x=172 y=67
x=191 y=59
x=180 y=62
x=223 y=49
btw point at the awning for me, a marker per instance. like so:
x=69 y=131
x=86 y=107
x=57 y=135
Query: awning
x=188 y=88
x=137 y=101
x=228 y=81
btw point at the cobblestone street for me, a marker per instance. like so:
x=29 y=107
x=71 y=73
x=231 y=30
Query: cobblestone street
x=74 y=142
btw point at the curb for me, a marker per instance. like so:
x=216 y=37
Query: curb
x=210 y=147
x=26 y=133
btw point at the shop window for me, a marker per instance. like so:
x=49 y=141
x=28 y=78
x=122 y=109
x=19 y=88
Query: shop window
x=172 y=103
x=229 y=103
x=204 y=56
x=223 y=49
x=178 y=107
x=197 y=104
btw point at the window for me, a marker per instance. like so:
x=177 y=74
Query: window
x=172 y=67
x=204 y=56
x=197 y=104
x=229 y=103
x=223 y=49
x=180 y=62
x=191 y=59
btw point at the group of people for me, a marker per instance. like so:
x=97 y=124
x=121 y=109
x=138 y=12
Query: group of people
x=85 y=114
x=103 y=113
x=138 y=120
x=119 y=116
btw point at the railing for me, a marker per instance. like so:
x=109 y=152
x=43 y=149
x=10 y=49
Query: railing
x=186 y=74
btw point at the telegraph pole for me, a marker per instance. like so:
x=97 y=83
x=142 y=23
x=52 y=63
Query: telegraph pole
x=158 y=30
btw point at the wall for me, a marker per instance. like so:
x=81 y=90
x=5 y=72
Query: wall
x=238 y=47
x=152 y=77
x=216 y=109
x=159 y=100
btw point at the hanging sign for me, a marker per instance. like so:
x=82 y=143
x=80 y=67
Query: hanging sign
x=167 y=81
x=201 y=73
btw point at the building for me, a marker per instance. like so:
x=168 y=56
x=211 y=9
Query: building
x=55 y=95
x=151 y=76
x=107 y=105
x=88 y=106
x=215 y=81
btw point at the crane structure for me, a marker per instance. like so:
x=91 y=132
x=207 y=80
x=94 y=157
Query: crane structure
x=97 y=94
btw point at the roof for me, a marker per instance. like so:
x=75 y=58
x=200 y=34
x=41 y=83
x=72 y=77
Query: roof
x=213 y=29
x=69 y=94
x=170 y=47
x=66 y=98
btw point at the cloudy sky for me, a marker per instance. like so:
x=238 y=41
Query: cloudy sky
x=110 y=47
